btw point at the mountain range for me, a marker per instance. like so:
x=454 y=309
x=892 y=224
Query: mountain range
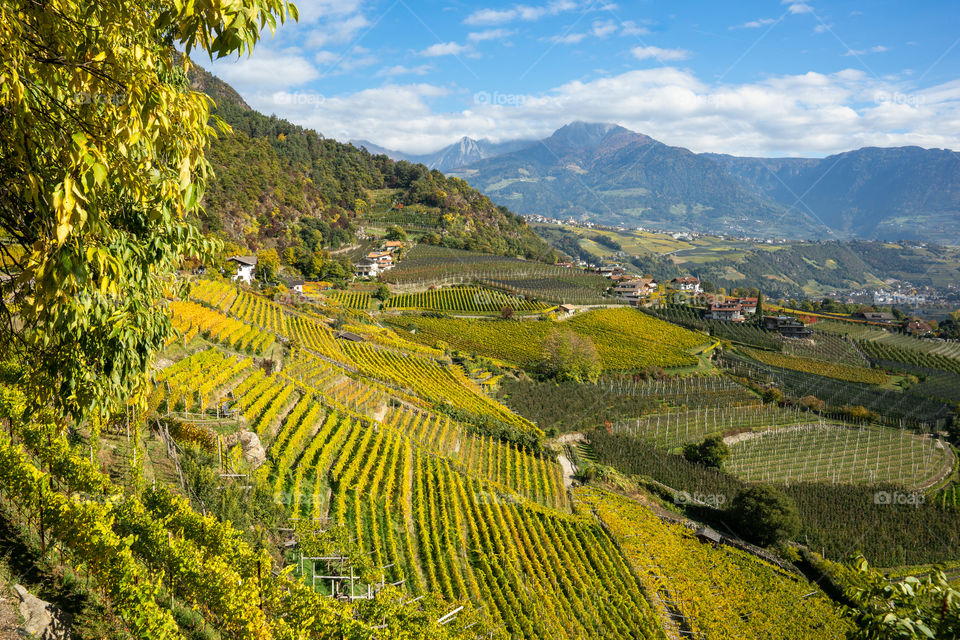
x=464 y=152
x=609 y=174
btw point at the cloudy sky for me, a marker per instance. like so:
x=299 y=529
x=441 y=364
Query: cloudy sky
x=747 y=77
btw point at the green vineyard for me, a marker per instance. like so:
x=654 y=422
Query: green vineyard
x=463 y=299
x=693 y=584
x=625 y=338
x=834 y=454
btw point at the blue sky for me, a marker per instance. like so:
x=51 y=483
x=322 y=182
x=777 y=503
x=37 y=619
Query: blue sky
x=749 y=77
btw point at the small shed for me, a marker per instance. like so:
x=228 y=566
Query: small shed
x=708 y=535
x=350 y=336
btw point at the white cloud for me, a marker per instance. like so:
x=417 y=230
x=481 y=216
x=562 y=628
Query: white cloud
x=663 y=55
x=603 y=28
x=801 y=115
x=569 y=38
x=338 y=31
x=599 y=29
x=401 y=70
x=519 y=12
x=268 y=70
x=631 y=28
x=797 y=7
x=489 y=34
x=755 y=24
x=445 y=49
x=859 y=52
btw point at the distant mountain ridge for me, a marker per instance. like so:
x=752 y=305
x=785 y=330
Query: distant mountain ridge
x=607 y=173
x=464 y=152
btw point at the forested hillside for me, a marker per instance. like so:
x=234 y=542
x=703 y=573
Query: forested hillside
x=270 y=173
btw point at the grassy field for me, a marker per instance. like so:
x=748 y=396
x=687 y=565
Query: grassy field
x=626 y=339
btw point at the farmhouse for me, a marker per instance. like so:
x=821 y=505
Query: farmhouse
x=608 y=271
x=786 y=326
x=383 y=259
x=246 y=267
x=749 y=304
x=917 y=327
x=633 y=290
x=392 y=245
x=877 y=316
x=367 y=268
x=686 y=283
x=729 y=312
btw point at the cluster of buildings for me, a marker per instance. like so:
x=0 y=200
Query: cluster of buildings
x=377 y=262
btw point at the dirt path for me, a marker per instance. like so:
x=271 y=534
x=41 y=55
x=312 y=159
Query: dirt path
x=568 y=470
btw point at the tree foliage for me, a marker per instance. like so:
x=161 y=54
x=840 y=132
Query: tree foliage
x=909 y=608
x=765 y=514
x=568 y=356
x=712 y=452
x=101 y=164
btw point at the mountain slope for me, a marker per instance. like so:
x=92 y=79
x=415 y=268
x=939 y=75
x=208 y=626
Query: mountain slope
x=607 y=173
x=899 y=192
x=270 y=174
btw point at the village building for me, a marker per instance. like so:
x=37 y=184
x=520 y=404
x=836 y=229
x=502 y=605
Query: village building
x=636 y=289
x=686 y=283
x=786 y=326
x=749 y=305
x=917 y=327
x=246 y=268
x=726 y=311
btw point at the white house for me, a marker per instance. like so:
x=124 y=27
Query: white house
x=246 y=267
x=686 y=283
x=633 y=290
x=367 y=268
x=725 y=311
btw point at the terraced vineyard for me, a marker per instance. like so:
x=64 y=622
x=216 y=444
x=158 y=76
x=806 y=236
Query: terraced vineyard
x=828 y=347
x=625 y=338
x=432 y=265
x=417 y=492
x=739 y=332
x=463 y=299
x=947 y=348
x=676 y=428
x=693 y=584
x=350 y=299
x=192 y=319
x=835 y=454
x=886 y=352
x=569 y=406
x=839 y=371
x=892 y=406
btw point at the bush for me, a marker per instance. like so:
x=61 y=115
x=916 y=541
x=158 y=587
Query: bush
x=712 y=452
x=765 y=514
